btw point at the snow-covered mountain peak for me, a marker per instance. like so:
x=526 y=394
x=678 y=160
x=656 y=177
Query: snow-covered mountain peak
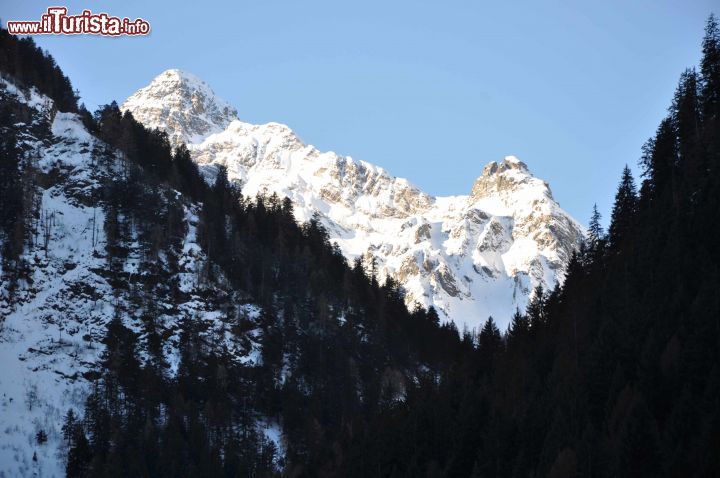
x=509 y=179
x=470 y=256
x=508 y=163
x=181 y=104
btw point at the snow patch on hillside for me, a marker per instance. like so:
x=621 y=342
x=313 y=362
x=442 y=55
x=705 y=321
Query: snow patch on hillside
x=53 y=323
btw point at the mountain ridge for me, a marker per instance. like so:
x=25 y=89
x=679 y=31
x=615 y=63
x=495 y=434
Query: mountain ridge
x=470 y=256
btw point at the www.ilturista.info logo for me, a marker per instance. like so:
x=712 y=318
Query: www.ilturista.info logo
x=57 y=22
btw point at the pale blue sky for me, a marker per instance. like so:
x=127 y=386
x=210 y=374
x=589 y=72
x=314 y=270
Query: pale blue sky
x=429 y=90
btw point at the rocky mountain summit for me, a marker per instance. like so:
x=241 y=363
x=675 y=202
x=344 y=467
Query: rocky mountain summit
x=470 y=256
x=186 y=107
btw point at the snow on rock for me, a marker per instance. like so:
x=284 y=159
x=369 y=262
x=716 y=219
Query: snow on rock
x=187 y=107
x=52 y=325
x=470 y=256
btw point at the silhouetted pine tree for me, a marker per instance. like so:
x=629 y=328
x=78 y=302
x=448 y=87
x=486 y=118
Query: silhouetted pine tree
x=624 y=210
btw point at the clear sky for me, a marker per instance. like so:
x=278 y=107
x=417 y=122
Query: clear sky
x=431 y=91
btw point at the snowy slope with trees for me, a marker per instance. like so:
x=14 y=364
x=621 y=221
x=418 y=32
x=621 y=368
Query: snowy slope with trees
x=67 y=272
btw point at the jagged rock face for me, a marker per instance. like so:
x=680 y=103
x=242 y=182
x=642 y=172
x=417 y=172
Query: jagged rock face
x=189 y=110
x=469 y=256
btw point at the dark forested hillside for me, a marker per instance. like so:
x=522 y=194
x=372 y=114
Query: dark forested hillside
x=618 y=372
x=615 y=374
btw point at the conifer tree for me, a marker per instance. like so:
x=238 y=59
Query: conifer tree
x=710 y=70
x=536 y=308
x=624 y=209
x=685 y=112
x=595 y=229
x=594 y=246
x=519 y=327
x=490 y=337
